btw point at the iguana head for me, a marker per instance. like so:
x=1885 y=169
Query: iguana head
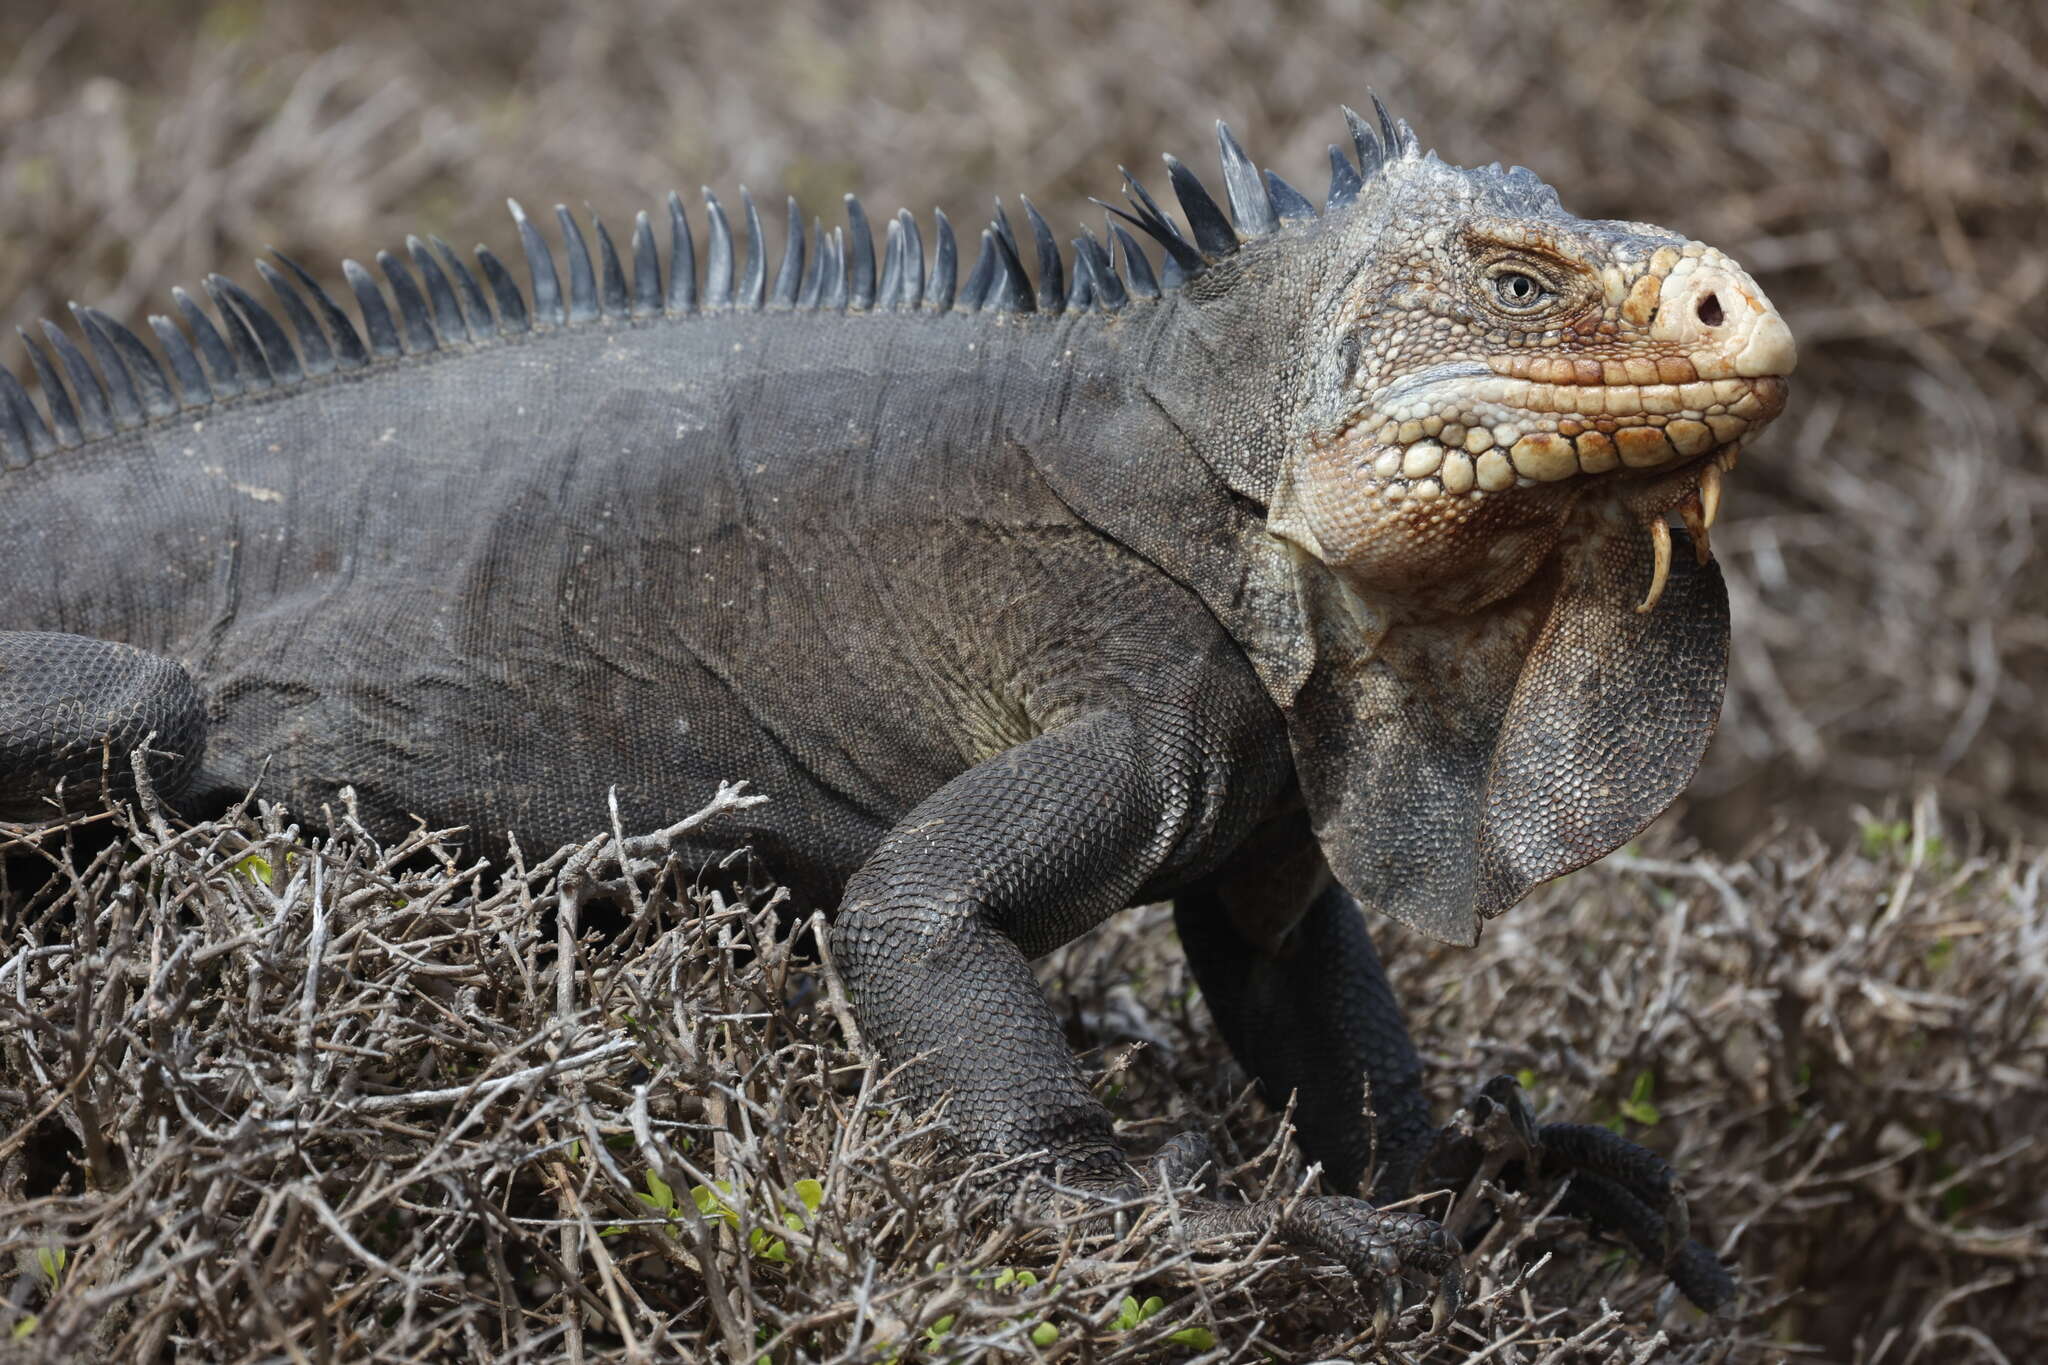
x=1491 y=368
x=1497 y=659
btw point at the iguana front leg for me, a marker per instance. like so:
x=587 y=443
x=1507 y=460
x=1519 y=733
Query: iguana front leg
x=1310 y=1013
x=1015 y=857
x=1305 y=1005
x=1030 y=848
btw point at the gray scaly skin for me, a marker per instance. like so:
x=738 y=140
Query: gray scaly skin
x=1336 y=572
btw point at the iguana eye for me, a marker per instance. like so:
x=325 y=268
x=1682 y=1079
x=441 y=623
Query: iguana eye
x=1520 y=292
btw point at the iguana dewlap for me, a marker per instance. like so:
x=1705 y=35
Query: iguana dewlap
x=1326 y=562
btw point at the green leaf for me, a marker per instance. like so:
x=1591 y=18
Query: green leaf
x=713 y=1201
x=50 y=1260
x=257 y=868
x=23 y=1328
x=1194 y=1338
x=937 y=1331
x=811 y=1193
x=1045 y=1334
x=1638 y=1107
x=660 y=1194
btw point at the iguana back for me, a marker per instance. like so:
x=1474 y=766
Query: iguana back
x=487 y=582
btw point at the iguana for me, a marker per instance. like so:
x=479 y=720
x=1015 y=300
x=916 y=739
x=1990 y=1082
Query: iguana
x=1323 y=564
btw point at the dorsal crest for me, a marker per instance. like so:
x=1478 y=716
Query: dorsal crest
x=430 y=300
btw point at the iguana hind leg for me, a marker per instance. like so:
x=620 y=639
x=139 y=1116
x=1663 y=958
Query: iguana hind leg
x=74 y=709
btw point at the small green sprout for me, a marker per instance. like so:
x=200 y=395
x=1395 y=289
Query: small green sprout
x=1638 y=1107
x=1881 y=837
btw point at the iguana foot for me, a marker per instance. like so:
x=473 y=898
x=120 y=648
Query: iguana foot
x=1380 y=1247
x=1618 y=1186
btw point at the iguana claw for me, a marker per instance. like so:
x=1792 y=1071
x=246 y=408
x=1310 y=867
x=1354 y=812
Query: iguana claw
x=1450 y=1295
x=1388 y=1310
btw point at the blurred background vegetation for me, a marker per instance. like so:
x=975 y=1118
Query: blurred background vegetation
x=1882 y=168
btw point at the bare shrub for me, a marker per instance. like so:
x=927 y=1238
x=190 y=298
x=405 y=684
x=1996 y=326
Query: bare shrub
x=265 y=1093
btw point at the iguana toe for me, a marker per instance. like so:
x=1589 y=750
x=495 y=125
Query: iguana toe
x=1381 y=1247
x=1621 y=1187
x=1580 y=1147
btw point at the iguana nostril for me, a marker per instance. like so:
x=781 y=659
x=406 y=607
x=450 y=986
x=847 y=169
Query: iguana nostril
x=1710 y=310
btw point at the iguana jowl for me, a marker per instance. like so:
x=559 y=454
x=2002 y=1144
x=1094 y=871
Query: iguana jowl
x=1327 y=565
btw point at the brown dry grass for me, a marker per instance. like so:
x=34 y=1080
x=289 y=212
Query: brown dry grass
x=1883 y=168
x=269 y=1095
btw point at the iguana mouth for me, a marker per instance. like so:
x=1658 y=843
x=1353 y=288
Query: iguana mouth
x=1697 y=506
x=1679 y=436
x=1656 y=434
x=1502 y=431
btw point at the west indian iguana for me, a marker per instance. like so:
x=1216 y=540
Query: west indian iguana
x=1324 y=563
